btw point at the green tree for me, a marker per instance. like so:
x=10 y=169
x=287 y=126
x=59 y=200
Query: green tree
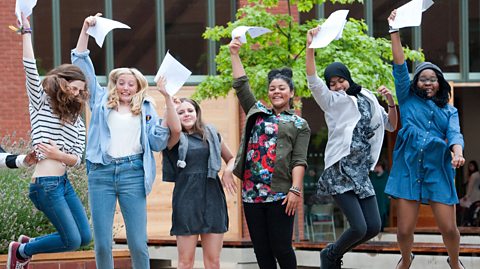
x=368 y=58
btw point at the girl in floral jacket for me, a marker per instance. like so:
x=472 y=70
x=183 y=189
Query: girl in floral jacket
x=271 y=163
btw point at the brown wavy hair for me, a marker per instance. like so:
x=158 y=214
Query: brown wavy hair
x=64 y=104
x=199 y=126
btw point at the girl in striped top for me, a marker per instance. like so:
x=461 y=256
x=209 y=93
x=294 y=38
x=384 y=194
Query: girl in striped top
x=58 y=136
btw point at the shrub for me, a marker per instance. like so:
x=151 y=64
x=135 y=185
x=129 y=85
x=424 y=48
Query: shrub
x=18 y=215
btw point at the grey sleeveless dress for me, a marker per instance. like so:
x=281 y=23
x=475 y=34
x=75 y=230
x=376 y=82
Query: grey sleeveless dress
x=198 y=202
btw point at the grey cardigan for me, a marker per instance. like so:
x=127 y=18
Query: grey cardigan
x=171 y=169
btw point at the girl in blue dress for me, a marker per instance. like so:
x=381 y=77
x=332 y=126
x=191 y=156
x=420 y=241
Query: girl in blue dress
x=428 y=148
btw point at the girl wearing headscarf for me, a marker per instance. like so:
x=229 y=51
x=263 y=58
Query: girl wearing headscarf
x=356 y=123
x=428 y=148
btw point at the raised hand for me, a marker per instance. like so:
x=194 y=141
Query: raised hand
x=90 y=21
x=311 y=33
x=392 y=16
x=235 y=46
x=161 y=83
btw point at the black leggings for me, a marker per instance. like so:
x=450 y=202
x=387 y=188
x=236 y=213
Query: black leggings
x=364 y=220
x=271 y=232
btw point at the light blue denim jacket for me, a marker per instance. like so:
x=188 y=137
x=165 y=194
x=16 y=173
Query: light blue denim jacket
x=154 y=137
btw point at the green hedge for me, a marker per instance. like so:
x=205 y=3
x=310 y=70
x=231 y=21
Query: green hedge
x=18 y=215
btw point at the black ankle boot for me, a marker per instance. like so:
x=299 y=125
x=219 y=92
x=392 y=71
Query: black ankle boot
x=327 y=260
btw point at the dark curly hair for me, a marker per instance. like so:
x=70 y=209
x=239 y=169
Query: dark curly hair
x=63 y=103
x=285 y=74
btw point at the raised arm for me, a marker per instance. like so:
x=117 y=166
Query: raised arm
x=82 y=43
x=27 y=40
x=320 y=91
x=237 y=66
x=241 y=85
x=170 y=119
x=310 y=57
x=36 y=95
x=80 y=57
x=397 y=49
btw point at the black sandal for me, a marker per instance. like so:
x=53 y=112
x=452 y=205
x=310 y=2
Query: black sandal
x=459 y=261
x=412 y=256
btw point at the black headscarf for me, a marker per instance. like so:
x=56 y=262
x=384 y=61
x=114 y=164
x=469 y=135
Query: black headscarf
x=338 y=69
x=443 y=94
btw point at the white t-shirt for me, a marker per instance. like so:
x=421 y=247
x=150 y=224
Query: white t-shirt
x=125 y=131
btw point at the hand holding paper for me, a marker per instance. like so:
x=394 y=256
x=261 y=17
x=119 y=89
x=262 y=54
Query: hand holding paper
x=254 y=31
x=331 y=29
x=25 y=6
x=410 y=14
x=174 y=72
x=102 y=27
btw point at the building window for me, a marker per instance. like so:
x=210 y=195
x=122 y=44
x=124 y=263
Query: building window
x=474 y=35
x=440 y=37
x=43 y=36
x=356 y=9
x=185 y=21
x=135 y=47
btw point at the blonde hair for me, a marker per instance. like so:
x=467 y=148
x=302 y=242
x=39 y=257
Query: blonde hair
x=137 y=100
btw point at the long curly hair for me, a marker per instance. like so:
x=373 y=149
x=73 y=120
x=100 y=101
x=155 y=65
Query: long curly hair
x=64 y=104
x=137 y=99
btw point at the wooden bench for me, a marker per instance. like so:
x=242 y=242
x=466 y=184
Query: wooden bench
x=173 y=242
x=369 y=247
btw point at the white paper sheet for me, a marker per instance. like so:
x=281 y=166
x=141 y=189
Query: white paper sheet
x=102 y=27
x=410 y=14
x=25 y=6
x=174 y=72
x=253 y=31
x=331 y=29
x=426 y=5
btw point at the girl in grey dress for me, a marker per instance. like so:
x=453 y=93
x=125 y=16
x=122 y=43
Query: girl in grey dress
x=192 y=161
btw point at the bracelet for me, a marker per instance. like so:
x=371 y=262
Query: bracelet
x=296 y=193
x=22 y=30
x=25 y=30
x=295 y=190
x=392 y=30
x=394 y=106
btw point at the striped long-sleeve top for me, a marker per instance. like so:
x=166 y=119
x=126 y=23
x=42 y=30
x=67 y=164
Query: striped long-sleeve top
x=45 y=125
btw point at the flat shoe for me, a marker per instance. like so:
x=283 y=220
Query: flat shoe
x=412 y=256
x=459 y=261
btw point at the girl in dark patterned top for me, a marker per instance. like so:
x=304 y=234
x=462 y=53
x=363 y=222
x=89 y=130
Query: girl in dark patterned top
x=356 y=124
x=271 y=163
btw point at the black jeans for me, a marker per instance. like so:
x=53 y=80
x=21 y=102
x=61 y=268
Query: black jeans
x=364 y=220
x=271 y=232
